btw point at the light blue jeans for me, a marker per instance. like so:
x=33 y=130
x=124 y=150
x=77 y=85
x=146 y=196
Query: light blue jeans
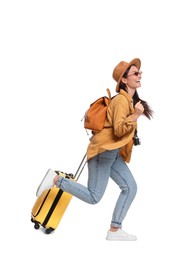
x=100 y=168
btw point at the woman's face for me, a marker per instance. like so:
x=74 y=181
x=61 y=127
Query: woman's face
x=133 y=79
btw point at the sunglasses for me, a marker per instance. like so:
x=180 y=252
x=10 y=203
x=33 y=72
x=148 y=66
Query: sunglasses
x=136 y=73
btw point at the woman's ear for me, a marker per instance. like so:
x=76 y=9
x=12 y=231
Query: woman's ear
x=124 y=80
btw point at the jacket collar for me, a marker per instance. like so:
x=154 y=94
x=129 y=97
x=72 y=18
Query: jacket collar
x=124 y=93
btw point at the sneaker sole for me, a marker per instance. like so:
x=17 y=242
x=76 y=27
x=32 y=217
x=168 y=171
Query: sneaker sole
x=120 y=239
x=41 y=183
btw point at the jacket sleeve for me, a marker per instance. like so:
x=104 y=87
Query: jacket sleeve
x=122 y=120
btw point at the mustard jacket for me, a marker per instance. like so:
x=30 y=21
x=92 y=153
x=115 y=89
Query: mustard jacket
x=118 y=130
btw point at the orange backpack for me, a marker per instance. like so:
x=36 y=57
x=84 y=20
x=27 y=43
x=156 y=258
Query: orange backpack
x=95 y=116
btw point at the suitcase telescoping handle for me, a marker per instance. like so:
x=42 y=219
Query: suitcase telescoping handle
x=81 y=167
x=79 y=170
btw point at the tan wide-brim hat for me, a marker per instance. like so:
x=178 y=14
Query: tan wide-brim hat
x=121 y=68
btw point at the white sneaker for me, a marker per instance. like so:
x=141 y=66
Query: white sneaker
x=120 y=235
x=46 y=183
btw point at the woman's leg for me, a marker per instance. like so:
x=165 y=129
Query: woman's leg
x=99 y=168
x=121 y=174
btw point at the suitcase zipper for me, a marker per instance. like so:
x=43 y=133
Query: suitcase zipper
x=42 y=204
x=56 y=200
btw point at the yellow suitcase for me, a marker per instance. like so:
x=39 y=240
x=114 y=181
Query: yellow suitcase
x=51 y=205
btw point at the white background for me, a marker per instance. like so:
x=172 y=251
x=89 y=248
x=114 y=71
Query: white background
x=55 y=58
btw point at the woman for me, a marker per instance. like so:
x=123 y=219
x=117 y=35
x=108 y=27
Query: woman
x=109 y=151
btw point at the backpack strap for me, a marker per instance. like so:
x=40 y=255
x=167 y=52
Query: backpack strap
x=109 y=93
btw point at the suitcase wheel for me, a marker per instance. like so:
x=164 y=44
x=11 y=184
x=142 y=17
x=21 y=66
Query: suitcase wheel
x=36 y=226
x=49 y=230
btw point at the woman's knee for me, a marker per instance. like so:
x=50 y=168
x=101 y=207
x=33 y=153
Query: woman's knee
x=130 y=189
x=95 y=198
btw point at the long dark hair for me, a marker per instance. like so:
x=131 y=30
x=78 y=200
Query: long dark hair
x=148 y=112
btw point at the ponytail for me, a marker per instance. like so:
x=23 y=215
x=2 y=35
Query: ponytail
x=148 y=112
